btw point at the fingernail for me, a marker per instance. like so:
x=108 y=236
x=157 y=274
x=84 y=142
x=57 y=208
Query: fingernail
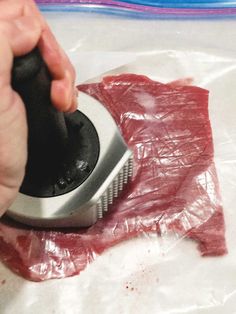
x=74 y=104
x=75 y=98
x=69 y=99
x=76 y=92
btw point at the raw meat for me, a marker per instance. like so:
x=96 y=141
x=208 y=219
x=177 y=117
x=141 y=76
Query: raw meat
x=174 y=189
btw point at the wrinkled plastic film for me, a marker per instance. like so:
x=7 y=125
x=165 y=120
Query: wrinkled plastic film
x=166 y=109
x=174 y=187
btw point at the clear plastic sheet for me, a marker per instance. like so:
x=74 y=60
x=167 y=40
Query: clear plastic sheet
x=157 y=270
x=174 y=186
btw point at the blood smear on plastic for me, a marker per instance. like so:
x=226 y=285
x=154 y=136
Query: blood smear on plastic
x=174 y=188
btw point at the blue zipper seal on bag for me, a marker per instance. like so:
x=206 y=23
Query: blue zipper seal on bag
x=146 y=9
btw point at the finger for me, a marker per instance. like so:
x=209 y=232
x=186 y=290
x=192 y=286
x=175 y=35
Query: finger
x=22 y=33
x=16 y=38
x=13 y=134
x=62 y=93
x=55 y=55
x=75 y=101
x=63 y=97
x=13 y=146
x=30 y=8
x=61 y=70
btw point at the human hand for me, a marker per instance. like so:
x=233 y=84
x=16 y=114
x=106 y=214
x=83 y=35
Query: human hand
x=22 y=28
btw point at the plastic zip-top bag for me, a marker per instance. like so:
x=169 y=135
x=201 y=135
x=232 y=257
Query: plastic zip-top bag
x=165 y=71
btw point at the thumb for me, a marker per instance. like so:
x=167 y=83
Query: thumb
x=13 y=146
x=16 y=38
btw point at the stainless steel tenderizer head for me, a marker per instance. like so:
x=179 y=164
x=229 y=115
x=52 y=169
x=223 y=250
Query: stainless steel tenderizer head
x=87 y=203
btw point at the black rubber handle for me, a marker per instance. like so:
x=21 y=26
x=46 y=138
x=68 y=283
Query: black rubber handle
x=47 y=129
x=62 y=148
x=48 y=134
